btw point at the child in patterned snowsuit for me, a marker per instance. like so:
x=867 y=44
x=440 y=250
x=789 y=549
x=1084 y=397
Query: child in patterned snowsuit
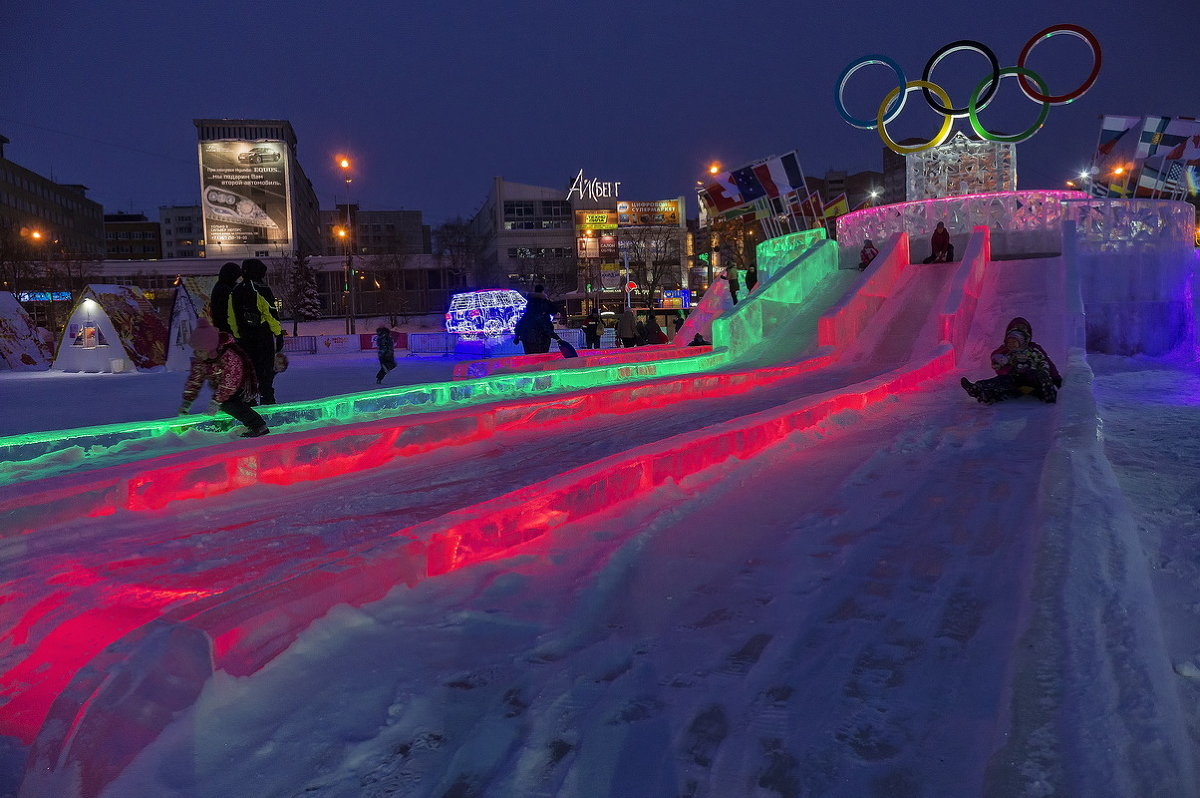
x=1022 y=367
x=220 y=362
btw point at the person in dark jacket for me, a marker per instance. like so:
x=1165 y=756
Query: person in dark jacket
x=593 y=328
x=535 y=328
x=218 y=301
x=387 y=353
x=220 y=362
x=698 y=340
x=941 y=250
x=1022 y=367
x=256 y=327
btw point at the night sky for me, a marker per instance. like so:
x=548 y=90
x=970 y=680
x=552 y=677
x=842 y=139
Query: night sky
x=434 y=99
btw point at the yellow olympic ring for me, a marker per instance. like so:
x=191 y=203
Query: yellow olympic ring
x=942 y=135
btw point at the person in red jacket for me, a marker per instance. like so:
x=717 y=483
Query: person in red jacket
x=220 y=362
x=939 y=244
x=1022 y=367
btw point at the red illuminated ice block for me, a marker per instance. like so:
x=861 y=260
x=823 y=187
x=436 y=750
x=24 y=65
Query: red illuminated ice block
x=843 y=323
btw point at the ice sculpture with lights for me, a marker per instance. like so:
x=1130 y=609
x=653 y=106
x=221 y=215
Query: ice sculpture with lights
x=489 y=314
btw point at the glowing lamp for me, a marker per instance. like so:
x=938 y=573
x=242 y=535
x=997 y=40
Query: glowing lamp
x=485 y=313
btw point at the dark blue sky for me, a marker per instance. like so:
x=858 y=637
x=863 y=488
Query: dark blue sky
x=434 y=99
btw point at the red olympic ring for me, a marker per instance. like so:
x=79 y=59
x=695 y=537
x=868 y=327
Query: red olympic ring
x=1061 y=99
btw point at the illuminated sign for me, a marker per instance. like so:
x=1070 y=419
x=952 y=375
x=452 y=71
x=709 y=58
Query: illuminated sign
x=593 y=189
x=244 y=190
x=596 y=220
x=642 y=214
x=678 y=300
x=43 y=296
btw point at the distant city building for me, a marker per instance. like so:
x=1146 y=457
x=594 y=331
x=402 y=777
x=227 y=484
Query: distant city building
x=182 y=231
x=131 y=236
x=526 y=233
x=256 y=199
x=857 y=187
x=60 y=213
x=375 y=232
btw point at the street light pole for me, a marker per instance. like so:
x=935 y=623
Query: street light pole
x=344 y=164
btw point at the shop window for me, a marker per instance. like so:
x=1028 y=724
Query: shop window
x=89 y=337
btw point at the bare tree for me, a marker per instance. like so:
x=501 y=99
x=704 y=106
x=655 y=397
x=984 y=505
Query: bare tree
x=461 y=251
x=654 y=259
x=386 y=274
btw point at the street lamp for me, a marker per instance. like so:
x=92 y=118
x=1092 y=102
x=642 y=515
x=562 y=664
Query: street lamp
x=345 y=234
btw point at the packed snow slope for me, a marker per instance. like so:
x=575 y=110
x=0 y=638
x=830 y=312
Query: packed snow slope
x=922 y=597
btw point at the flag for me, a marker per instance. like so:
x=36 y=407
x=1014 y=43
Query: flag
x=1112 y=129
x=718 y=195
x=811 y=208
x=748 y=184
x=837 y=206
x=780 y=176
x=1187 y=150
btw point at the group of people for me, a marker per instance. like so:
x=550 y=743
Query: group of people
x=940 y=249
x=240 y=350
x=633 y=330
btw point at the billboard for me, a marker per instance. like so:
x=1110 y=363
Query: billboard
x=245 y=192
x=598 y=219
x=643 y=214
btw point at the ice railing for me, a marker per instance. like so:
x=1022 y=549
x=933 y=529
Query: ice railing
x=1021 y=222
x=1115 y=225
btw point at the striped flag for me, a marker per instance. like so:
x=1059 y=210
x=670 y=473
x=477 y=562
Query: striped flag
x=837 y=206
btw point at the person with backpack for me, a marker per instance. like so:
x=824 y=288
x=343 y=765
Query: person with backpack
x=255 y=326
x=218 y=301
x=535 y=328
x=220 y=362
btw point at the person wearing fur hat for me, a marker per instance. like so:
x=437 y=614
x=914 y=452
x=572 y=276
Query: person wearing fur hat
x=220 y=362
x=254 y=324
x=387 y=353
x=1022 y=367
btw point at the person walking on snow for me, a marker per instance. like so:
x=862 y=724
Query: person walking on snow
x=253 y=322
x=220 y=362
x=535 y=328
x=1022 y=367
x=627 y=327
x=387 y=353
x=218 y=301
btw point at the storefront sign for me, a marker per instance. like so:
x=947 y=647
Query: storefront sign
x=677 y=300
x=596 y=220
x=644 y=214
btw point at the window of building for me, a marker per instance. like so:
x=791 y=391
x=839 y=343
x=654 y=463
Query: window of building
x=517 y=209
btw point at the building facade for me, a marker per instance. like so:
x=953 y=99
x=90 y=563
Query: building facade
x=256 y=199
x=526 y=235
x=182 y=229
x=60 y=214
x=374 y=232
x=131 y=236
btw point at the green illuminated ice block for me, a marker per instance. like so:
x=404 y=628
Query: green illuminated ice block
x=788 y=277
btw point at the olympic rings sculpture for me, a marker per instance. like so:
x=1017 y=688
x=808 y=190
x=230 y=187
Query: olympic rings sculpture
x=938 y=99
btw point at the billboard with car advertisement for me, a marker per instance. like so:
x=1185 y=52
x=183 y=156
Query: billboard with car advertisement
x=668 y=213
x=245 y=192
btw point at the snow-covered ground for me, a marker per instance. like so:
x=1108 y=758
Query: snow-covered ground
x=927 y=598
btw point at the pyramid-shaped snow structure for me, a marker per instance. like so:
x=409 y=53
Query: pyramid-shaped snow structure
x=21 y=345
x=112 y=328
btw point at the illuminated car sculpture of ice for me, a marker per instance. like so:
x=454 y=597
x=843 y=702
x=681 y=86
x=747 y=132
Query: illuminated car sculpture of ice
x=486 y=314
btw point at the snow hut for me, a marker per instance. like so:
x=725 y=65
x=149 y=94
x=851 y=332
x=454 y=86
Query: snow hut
x=21 y=344
x=191 y=302
x=113 y=328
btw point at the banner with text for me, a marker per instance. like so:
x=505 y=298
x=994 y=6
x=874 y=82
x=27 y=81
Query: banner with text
x=245 y=193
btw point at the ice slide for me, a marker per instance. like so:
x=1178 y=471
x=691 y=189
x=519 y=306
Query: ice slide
x=352 y=555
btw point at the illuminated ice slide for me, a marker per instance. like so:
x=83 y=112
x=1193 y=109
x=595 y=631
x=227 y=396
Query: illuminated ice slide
x=179 y=606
